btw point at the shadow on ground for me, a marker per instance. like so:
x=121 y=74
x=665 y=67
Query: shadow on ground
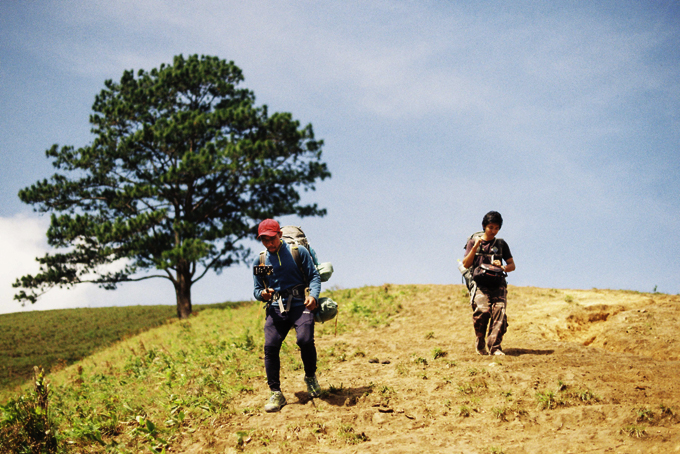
x=343 y=397
x=526 y=351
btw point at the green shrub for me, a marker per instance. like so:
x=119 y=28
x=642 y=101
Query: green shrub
x=25 y=423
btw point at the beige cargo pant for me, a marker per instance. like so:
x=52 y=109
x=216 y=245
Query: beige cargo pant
x=488 y=307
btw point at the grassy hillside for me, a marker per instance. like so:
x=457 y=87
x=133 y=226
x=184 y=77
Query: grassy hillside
x=585 y=370
x=55 y=339
x=148 y=388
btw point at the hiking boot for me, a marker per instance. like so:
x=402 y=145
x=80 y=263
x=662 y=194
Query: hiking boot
x=480 y=346
x=275 y=403
x=313 y=387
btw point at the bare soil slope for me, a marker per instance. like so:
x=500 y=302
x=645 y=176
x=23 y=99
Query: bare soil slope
x=584 y=371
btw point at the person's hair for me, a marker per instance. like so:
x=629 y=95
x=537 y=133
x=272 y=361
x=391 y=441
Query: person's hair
x=492 y=217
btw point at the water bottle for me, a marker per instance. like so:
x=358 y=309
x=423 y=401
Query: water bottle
x=461 y=268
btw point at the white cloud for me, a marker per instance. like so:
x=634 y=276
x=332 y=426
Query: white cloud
x=22 y=239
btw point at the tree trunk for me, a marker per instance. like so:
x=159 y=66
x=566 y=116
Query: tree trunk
x=183 y=291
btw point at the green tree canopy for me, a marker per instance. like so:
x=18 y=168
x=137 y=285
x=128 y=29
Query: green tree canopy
x=182 y=167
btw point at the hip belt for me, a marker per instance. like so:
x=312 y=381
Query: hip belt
x=297 y=292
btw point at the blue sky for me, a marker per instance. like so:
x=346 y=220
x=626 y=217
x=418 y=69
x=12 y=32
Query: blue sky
x=563 y=116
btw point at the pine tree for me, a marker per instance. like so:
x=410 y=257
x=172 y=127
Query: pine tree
x=182 y=167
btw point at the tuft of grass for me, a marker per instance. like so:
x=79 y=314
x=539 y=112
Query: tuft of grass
x=317 y=427
x=473 y=371
x=633 y=430
x=666 y=412
x=564 y=396
x=466 y=388
x=547 y=400
x=438 y=353
x=643 y=414
x=242 y=437
x=472 y=387
x=350 y=436
x=402 y=369
x=503 y=413
x=585 y=395
x=420 y=360
x=578 y=395
x=385 y=390
x=500 y=413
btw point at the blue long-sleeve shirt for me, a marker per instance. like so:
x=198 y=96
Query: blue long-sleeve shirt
x=287 y=274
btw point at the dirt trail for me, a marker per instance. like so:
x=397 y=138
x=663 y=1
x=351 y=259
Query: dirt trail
x=584 y=371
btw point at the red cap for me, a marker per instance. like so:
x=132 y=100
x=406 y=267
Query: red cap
x=268 y=227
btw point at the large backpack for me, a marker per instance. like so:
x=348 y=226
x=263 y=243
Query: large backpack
x=294 y=236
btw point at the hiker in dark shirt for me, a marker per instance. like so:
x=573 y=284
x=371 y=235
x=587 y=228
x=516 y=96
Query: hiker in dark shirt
x=490 y=297
x=292 y=298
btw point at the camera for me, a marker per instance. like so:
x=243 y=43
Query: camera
x=263 y=270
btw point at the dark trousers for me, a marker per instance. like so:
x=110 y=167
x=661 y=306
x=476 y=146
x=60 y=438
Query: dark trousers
x=276 y=329
x=489 y=309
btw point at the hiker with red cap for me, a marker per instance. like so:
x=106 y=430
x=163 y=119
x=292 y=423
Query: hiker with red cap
x=291 y=294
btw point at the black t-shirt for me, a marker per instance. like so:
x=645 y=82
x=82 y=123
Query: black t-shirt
x=491 y=250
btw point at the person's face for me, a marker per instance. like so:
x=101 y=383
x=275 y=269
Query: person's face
x=491 y=230
x=272 y=243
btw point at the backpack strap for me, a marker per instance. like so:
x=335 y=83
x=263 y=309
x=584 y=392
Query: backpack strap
x=500 y=248
x=298 y=261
